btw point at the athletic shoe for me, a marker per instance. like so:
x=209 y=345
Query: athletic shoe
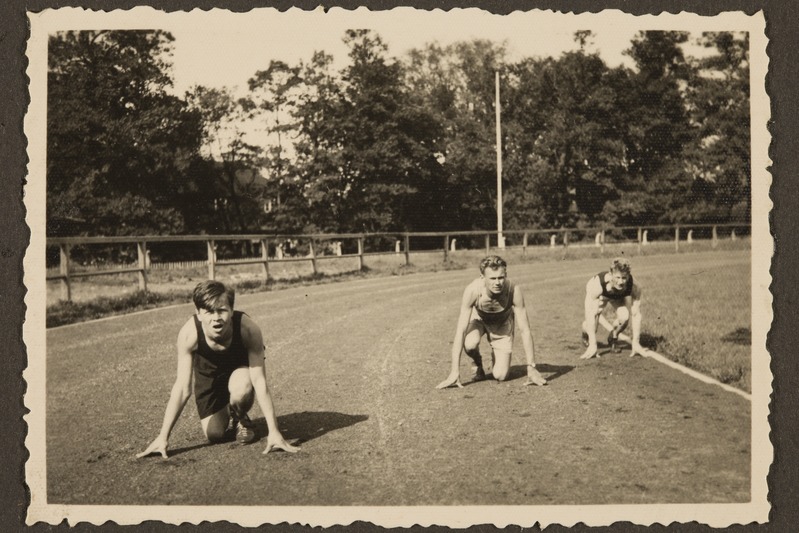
x=613 y=341
x=245 y=429
x=585 y=339
x=479 y=374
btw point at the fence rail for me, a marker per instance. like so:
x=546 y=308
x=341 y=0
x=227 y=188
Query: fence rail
x=313 y=248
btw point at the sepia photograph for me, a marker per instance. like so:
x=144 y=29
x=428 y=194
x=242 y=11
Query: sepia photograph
x=403 y=267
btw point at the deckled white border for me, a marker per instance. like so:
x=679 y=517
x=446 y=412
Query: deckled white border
x=715 y=515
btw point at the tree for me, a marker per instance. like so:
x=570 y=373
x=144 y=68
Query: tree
x=232 y=188
x=119 y=145
x=658 y=131
x=312 y=199
x=718 y=101
x=564 y=151
x=273 y=99
x=455 y=84
x=365 y=147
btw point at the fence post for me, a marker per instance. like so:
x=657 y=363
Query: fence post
x=566 y=239
x=313 y=255
x=488 y=243
x=360 y=254
x=265 y=257
x=141 y=250
x=602 y=240
x=66 y=287
x=446 y=248
x=211 y=259
x=677 y=238
x=524 y=245
x=639 y=241
x=714 y=239
x=407 y=249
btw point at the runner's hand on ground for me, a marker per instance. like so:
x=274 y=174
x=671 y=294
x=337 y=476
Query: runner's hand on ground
x=534 y=377
x=159 y=445
x=276 y=441
x=637 y=349
x=452 y=379
x=590 y=352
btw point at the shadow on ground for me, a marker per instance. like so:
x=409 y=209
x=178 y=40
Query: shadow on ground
x=652 y=342
x=550 y=372
x=309 y=425
x=742 y=336
x=178 y=451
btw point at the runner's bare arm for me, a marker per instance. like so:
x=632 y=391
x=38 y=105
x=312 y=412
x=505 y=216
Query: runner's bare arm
x=253 y=340
x=181 y=389
x=523 y=323
x=467 y=302
x=593 y=308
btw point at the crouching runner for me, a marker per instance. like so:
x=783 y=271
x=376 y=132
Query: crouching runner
x=617 y=288
x=492 y=306
x=224 y=350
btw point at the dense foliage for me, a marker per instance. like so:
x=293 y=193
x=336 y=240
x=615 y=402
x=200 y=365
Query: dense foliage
x=396 y=143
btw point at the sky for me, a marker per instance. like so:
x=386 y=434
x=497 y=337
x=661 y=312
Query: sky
x=218 y=49
x=221 y=49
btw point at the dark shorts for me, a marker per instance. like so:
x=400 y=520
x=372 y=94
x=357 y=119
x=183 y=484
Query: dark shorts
x=211 y=393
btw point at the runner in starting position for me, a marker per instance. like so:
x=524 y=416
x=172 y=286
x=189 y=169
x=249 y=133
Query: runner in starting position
x=224 y=350
x=492 y=305
x=617 y=288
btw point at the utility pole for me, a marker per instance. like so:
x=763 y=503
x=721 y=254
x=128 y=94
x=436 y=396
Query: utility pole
x=500 y=236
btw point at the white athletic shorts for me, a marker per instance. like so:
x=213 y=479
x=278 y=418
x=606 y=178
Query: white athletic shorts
x=499 y=336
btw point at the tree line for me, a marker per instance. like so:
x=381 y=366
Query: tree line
x=396 y=143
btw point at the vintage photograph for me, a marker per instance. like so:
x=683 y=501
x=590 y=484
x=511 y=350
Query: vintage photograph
x=403 y=266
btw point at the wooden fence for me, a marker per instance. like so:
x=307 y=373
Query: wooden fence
x=553 y=237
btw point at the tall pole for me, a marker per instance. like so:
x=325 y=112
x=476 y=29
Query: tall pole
x=500 y=237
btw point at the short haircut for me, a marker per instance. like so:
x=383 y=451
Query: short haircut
x=207 y=295
x=492 y=261
x=620 y=264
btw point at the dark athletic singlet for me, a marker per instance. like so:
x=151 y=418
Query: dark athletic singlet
x=612 y=294
x=495 y=311
x=212 y=369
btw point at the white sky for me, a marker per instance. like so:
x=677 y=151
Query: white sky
x=219 y=49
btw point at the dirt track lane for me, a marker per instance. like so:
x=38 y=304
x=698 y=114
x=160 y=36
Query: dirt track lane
x=353 y=366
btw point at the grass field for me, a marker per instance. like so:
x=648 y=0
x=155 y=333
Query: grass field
x=702 y=320
x=353 y=368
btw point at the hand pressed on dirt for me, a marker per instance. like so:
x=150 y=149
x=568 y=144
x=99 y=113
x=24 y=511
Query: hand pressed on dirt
x=450 y=381
x=637 y=349
x=535 y=378
x=274 y=442
x=590 y=352
x=159 y=445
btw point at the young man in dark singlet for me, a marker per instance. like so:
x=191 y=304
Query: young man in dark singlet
x=492 y=305
x=617 y=288
x=224 y=349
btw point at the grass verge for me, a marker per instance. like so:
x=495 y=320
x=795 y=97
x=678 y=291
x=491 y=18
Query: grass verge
x=63 y=312
x=702 y=321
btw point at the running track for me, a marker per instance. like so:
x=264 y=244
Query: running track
x=353 y=366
